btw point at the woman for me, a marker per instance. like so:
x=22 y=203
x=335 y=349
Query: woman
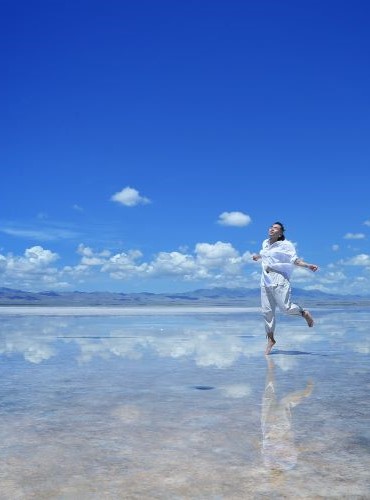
x=278 y=257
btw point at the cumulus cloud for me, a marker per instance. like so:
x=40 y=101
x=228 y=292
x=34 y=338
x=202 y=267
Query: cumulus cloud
x=39 y=257
x=212 y=255
x=336 y=276
x=207 y=264
x=33 y=269
x=354 y=236
x=129 y=197
x=173 y=263
x=215 y=264
x=237 y=219
x=358 y=260
x=91 y=258
x=221 y=261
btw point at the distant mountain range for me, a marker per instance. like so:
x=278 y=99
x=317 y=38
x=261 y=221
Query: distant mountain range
x=202 y=297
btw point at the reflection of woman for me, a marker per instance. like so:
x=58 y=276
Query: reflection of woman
x=278 y=448
x=278 y=257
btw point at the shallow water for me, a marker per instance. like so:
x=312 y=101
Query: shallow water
x=184 y=406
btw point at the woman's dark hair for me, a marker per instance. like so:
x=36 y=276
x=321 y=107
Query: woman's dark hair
x=282 y=237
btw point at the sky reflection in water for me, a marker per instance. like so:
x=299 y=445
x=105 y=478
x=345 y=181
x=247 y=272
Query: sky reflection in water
x=184 y=406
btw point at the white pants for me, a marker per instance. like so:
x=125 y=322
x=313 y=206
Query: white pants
x=277 y=295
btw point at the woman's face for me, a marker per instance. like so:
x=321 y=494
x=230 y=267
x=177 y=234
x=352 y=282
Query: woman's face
x=275 y=231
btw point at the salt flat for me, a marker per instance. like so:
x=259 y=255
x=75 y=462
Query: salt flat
x=183 y=406
x=119 y=311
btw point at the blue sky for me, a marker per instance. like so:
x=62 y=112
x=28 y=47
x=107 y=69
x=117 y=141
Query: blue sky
x=148 y=146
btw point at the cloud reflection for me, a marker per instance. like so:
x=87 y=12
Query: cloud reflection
x=209 y=341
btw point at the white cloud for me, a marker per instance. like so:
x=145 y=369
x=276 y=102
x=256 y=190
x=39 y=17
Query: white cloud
x=303 y=274
x=237 y=219
x=40 y=234
x=213 y=255
x=91 y=258
x=335 y=248
x=32 y=270
x=123 y=266
x=217 y=263
x=358 y=260
x=222 y=262
x=39 y=257
x=208 y=264
x=367 y=222
x=173 y=263
x=129 y=197
x=331 y=278
x=354 y=236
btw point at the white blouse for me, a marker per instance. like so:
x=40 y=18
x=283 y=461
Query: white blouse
x=279 y=257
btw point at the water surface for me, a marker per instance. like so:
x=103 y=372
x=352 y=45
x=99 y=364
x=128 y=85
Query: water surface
x=173 y=405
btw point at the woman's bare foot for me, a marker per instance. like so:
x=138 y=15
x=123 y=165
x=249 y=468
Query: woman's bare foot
x=270 y=344
x=307 y=316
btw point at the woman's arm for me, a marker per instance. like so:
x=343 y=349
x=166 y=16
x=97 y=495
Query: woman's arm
x=302 y=263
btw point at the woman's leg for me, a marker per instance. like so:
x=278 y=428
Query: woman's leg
x=268 y=310
x=283 y=300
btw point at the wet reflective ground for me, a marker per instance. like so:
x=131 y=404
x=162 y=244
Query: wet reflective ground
x=184 y=406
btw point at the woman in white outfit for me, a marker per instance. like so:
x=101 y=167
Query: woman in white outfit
x=278 y=257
